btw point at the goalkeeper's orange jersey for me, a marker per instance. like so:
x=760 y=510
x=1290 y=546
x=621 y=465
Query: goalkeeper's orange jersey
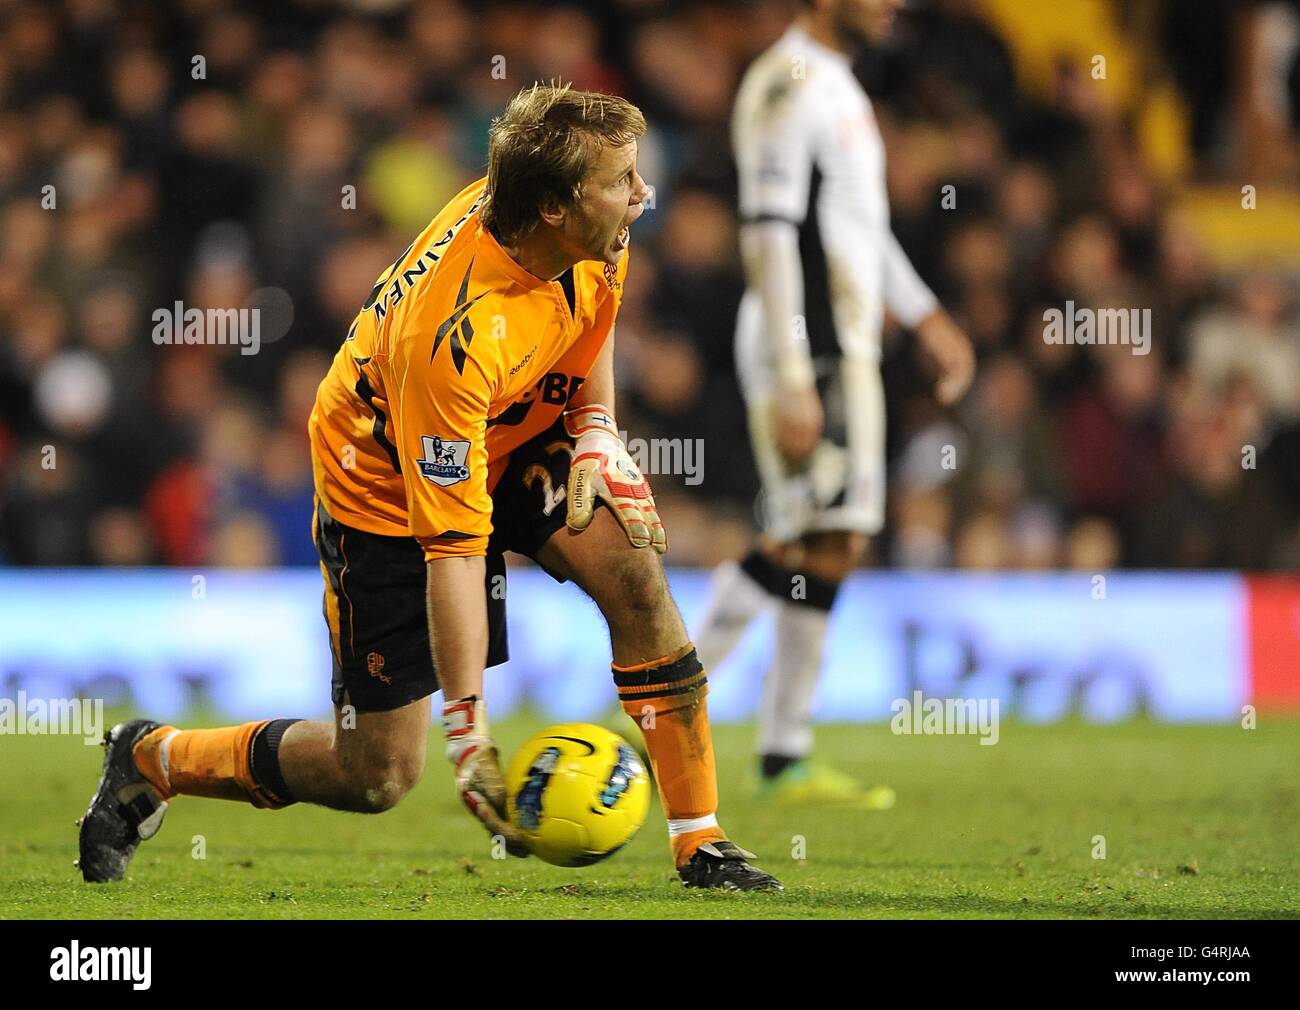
x=458 y=357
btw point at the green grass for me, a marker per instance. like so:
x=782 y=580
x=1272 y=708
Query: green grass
x=1198 y=821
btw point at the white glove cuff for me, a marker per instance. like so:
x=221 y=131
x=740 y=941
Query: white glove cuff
x=465 y=724
x=592 y=417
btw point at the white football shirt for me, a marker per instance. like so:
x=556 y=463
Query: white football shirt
x=809 y=152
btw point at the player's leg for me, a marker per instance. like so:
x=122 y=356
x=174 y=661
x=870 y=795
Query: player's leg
x=837 y=503
x=627 y=584
x=366 y=760
x=655 y=666
x=734 y=601
x=810 y=575
x=804 y=581
x=363 y=761
x=662 y=685
x=736 y=596
x=785 y=723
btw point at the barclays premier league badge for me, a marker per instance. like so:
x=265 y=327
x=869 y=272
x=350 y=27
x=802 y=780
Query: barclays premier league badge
x=444 y=460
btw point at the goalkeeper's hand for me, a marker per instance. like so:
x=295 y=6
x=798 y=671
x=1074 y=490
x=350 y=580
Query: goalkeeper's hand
x=603 y=470
x=478 y=771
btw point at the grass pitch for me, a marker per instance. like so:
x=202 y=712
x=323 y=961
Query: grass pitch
x=1196 y=821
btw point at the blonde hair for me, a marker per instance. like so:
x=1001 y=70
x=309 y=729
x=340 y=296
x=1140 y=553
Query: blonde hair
x=540 y=148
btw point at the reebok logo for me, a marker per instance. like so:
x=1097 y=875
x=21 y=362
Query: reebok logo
x=523 y=361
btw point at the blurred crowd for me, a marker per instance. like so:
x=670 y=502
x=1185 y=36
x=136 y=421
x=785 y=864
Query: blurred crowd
x=279 y=155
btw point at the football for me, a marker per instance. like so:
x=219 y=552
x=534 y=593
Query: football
x=577 y=792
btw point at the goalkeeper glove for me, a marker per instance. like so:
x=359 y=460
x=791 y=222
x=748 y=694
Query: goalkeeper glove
x=478 y=772
x=603 y=470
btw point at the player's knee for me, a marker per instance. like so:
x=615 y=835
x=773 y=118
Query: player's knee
x=828 y=569
x=380 y=784
x=636 y=585
x=833 y=556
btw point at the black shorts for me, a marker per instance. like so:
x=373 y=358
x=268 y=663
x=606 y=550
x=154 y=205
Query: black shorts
x=375 y=585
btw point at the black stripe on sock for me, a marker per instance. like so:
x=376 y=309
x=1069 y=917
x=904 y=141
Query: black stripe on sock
x=817 y=593
x=772 y=765
x=681 y=669
x=264 y=762
x=787 y=585
x=631 y=694
x=773 y=580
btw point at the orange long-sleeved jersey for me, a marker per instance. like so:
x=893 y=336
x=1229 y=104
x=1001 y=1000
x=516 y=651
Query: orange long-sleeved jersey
x=458 y=357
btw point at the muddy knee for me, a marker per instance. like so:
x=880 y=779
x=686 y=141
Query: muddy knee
x=379 y=784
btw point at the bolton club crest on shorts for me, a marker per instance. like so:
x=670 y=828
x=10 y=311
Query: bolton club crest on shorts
x=444 y=460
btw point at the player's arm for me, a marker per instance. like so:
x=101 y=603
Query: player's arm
x=598 y=388
x=775 y=152
x=913 y=304
x=458 y=633
x=451 y=517
x=458 y=623
x=770 y=249
x=602 y=470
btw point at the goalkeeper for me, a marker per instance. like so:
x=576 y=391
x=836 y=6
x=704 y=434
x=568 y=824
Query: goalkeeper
x=470 y=411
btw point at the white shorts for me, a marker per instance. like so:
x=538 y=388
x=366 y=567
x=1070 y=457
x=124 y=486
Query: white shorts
x=842 y=487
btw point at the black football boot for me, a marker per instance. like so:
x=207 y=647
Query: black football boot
x=124 y=811
x=722 y=865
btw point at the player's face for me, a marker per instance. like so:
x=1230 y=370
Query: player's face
x=868 y=20
x=613 y=196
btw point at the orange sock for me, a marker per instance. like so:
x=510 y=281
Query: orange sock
x=666 y=697
x=204 y=762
